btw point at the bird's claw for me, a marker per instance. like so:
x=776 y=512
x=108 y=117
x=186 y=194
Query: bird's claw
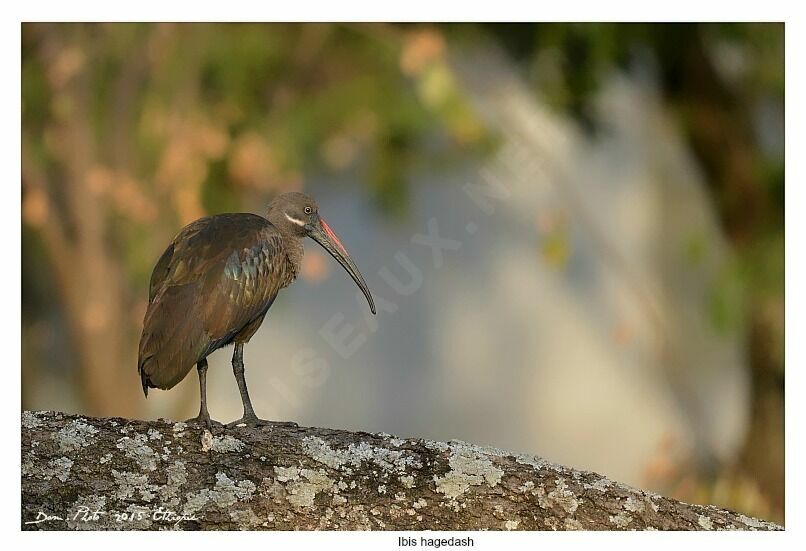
x=254 y=421
x=205 y=421
x=288 y=424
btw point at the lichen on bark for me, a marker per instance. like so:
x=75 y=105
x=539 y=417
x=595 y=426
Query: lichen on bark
x=118 y=474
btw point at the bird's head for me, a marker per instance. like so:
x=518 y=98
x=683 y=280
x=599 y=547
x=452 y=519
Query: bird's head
x=297 y=214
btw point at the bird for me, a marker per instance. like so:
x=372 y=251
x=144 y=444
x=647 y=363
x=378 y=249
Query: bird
x=214 y=284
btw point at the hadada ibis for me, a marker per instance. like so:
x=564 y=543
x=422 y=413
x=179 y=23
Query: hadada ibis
x=214 y=284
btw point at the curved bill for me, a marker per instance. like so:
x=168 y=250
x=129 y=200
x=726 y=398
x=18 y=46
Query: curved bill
x=320 y=232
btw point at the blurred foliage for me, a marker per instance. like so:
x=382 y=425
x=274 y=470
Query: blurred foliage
x=725 y=83
x=132 y=130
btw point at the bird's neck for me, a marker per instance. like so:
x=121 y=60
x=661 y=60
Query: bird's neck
x=292 y=238
x=294 y=251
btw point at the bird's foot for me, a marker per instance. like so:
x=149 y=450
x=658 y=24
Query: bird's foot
x=254 y=421
x=205 y=421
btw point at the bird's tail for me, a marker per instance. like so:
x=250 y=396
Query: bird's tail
x=143 y=377
x=172 y=341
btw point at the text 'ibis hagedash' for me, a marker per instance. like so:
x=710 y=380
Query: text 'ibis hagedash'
x=214 y=284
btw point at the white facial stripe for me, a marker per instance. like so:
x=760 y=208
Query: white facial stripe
x=294 y=220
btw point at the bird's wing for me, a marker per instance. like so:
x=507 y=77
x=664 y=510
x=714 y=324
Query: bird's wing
x=251 y=274
x=193 y=240
x=219 y=274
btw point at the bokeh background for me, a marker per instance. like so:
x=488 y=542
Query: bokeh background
x=611 y=292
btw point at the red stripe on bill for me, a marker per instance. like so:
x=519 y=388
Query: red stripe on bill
x=332 y=235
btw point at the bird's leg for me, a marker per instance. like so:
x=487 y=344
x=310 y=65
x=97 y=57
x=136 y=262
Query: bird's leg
x=238 y=370
x=204 y=415
x=249 y=418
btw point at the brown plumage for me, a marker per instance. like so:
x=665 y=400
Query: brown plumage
x=211 y=287
x=214 y=284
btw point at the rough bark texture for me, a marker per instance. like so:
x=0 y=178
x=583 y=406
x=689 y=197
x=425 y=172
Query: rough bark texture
x=111 y=473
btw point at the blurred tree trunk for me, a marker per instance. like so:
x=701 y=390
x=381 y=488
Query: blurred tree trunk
x=75 y=230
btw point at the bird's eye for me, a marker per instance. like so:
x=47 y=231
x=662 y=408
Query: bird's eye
x=308 y=210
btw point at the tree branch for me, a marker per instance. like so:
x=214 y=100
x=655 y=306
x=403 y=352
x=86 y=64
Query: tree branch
x=97 y=473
